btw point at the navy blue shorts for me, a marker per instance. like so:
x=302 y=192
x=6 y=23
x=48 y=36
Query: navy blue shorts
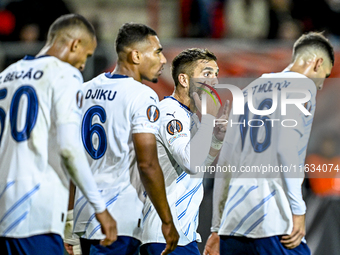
x=124 y=245
x=260 y=246
x=157 y=248
x=51 y=244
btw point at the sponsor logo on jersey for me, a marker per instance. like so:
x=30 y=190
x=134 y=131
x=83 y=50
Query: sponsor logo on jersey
x=153 y=99
x=172 y=139
x=174 y=127
x=79 y=98
x=171 y=114
x=152 y=113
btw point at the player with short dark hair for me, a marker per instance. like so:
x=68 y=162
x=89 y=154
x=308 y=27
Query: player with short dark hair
x=131 y=33
x=265 y=213
x=186 y=62
x=120 y=120
x=314 y=41
x=183 y=143
x=40 y=146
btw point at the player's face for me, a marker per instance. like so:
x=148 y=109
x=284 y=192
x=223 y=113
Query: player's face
x=85 y=48
x=205 y=72
x=152 y=60
x=323 y=73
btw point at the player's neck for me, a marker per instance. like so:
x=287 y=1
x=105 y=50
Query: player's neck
x=182 y=97
x=55 y=50
x=128 y=71
x=46 y=50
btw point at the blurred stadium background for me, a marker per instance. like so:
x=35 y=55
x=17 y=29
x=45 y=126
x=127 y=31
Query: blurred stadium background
x=249 y=37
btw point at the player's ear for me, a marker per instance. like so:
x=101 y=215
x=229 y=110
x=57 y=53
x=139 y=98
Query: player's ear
x=74 y=45
x=318 y=64
x=135 y=57
x=184 y=80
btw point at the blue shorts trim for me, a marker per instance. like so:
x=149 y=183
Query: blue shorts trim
x=157 y=248
x=262 y=246
x=124 y=245
x=34 y=245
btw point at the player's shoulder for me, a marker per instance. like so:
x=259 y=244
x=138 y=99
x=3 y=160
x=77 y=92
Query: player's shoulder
x=49 y=62
x=66 y=68
x=288 y=75
x=289 y=79
x=169 y=102
x=54 y=67
x=172 y=109
x=122 y=83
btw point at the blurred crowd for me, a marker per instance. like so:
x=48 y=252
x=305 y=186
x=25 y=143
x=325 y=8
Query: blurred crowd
x=28 y=20
x=258 y=19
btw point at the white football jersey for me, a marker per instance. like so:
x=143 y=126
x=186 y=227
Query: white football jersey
x=36 y=95
x=115 y=107
x=184 y=192
x=259 y=207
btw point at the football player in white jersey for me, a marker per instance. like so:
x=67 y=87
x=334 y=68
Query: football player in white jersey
x=267 y=215
x=40 y=143
x=181 y=131
x=120 y=120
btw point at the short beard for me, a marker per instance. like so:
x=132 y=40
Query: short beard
x=154 y=80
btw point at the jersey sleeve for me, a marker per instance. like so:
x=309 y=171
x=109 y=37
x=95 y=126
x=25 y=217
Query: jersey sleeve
x=289 y=156
x=68 y=98
x=188 y=151
x=288 y=146
x=67 y=103
x=293 y=113
x=145 y=113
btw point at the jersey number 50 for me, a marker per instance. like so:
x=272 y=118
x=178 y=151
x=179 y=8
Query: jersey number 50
x=31 y=114
x=88 y=130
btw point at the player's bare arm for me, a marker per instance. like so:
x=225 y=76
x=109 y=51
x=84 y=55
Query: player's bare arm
x=153 y=181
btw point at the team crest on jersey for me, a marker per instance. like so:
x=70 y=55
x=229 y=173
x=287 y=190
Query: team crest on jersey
x=308 y=106
x=79 y=98
x=152 y=113
x=174 y=127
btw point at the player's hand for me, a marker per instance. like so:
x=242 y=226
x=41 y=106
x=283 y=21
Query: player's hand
x=171 y=236
x=299 y=231
x=69 y=248
x=212 y=107
x=221 y=126
x=109 y=227
x=212 y=247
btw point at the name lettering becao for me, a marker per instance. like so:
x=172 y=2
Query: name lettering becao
x=23 y=74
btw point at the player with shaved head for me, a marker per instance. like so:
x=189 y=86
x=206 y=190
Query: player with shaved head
x=120 y=120
x=40 y=145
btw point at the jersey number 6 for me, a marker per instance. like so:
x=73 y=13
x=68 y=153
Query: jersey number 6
x=88 y=130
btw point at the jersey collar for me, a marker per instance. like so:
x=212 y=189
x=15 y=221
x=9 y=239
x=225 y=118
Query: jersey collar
x=171 y=97
x=31 y=57
x=115 y=76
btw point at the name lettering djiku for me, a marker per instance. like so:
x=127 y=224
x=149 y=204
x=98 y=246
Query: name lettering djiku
x=23 y=74
x=101 y=94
